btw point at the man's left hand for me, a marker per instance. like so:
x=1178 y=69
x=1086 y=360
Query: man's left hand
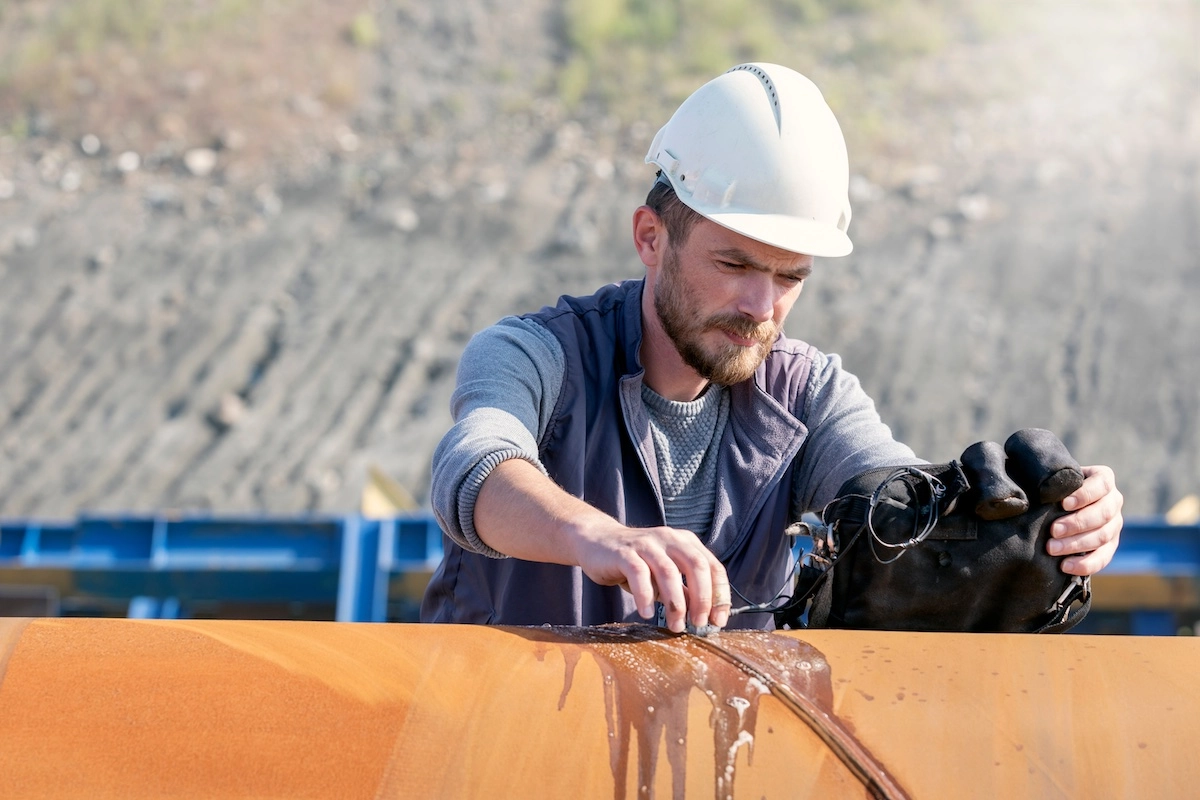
x=1092 y=528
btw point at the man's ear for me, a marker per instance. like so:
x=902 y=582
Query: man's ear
x=649 y=236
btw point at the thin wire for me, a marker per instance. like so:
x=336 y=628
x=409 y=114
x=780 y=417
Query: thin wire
x=752 y=607
x=937 y=490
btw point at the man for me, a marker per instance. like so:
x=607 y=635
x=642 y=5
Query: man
x=652 y=441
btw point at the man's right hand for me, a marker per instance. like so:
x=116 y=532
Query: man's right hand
x=665 y=564
x=522 y=513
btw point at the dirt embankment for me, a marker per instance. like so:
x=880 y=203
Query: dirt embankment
x=251 y=326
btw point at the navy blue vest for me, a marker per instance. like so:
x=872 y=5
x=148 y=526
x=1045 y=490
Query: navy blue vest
x=597 y=446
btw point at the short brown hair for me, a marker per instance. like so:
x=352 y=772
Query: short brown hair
x=677 y=218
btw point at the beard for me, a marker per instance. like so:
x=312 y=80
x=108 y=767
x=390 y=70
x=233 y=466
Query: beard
x=678 y=310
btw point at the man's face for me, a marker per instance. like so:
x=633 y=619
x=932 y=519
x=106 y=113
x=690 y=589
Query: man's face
x=722 y=299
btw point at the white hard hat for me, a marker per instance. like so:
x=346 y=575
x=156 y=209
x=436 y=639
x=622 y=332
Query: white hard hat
x=757 y=150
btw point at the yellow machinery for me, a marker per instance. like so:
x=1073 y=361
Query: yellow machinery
x=95 y=708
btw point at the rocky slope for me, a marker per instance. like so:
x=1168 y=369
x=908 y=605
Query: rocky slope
x=230 y=327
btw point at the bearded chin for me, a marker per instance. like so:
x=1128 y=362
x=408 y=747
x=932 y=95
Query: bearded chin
x=730 y=364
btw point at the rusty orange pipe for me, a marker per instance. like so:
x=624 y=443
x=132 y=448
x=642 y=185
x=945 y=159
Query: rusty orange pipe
x=125 y=708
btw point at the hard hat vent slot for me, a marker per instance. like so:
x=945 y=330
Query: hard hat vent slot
x=767 y=83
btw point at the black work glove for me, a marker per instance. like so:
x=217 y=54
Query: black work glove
x=1037 y=465
x=953 y=547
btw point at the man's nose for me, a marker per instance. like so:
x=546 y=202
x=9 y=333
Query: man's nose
x=757 y=298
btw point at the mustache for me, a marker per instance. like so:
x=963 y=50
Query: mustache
x=738 y=325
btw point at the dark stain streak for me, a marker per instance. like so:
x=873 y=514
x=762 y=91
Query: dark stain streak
x=649 y=675
x=571 y=657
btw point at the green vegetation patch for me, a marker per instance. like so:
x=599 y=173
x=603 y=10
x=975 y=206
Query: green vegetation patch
x=137 y=71
x=637 y=59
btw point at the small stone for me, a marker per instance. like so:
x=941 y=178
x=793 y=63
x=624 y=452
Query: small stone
x=346 y=138
x=27 y=238
x=307 y=105
x=103 y=257
x=494 y=192
x=90 y=144
x=232 y=140
x=162 y=196
x=72 y=179
x=50 y=167
x=329 y=480
x=200 y=161
x=603 y=169
x=569 y=138
x=231 y=409
x=406 y=220
x=974 y=207
x=172 y=125
x=129 y=161
x=440 y=189
x=941 y=228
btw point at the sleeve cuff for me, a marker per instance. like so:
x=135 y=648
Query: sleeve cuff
x=468 y=493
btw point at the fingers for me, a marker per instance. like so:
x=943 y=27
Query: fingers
x=1099 y=482
x=709 y=595
x=639 y=583
x=692 y=585
x=1093 y=528
x=995 y=495
x=722 y=604
x=668 y=580
x=664 y=564
x=1039 y=461
x=699 y=576
x=1093 y=562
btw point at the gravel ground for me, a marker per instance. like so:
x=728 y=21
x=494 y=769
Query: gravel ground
x=185 y=335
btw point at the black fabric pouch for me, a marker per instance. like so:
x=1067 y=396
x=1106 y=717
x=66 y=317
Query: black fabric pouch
x=912 y=548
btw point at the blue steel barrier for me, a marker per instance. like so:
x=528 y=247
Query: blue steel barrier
x=369 y=570
x=1151 y=546
x=160 y=564
x=375 y=550
x=1152 y=585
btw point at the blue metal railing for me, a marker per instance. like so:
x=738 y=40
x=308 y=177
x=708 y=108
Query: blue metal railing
x=163 y=565
x=1151 y=546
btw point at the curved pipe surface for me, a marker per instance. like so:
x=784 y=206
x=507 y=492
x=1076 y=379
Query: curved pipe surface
x=145 y=708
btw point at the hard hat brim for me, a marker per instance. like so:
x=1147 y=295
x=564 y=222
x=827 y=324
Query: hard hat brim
x=796 y=235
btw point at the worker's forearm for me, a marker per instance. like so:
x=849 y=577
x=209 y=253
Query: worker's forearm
x=522 y=513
